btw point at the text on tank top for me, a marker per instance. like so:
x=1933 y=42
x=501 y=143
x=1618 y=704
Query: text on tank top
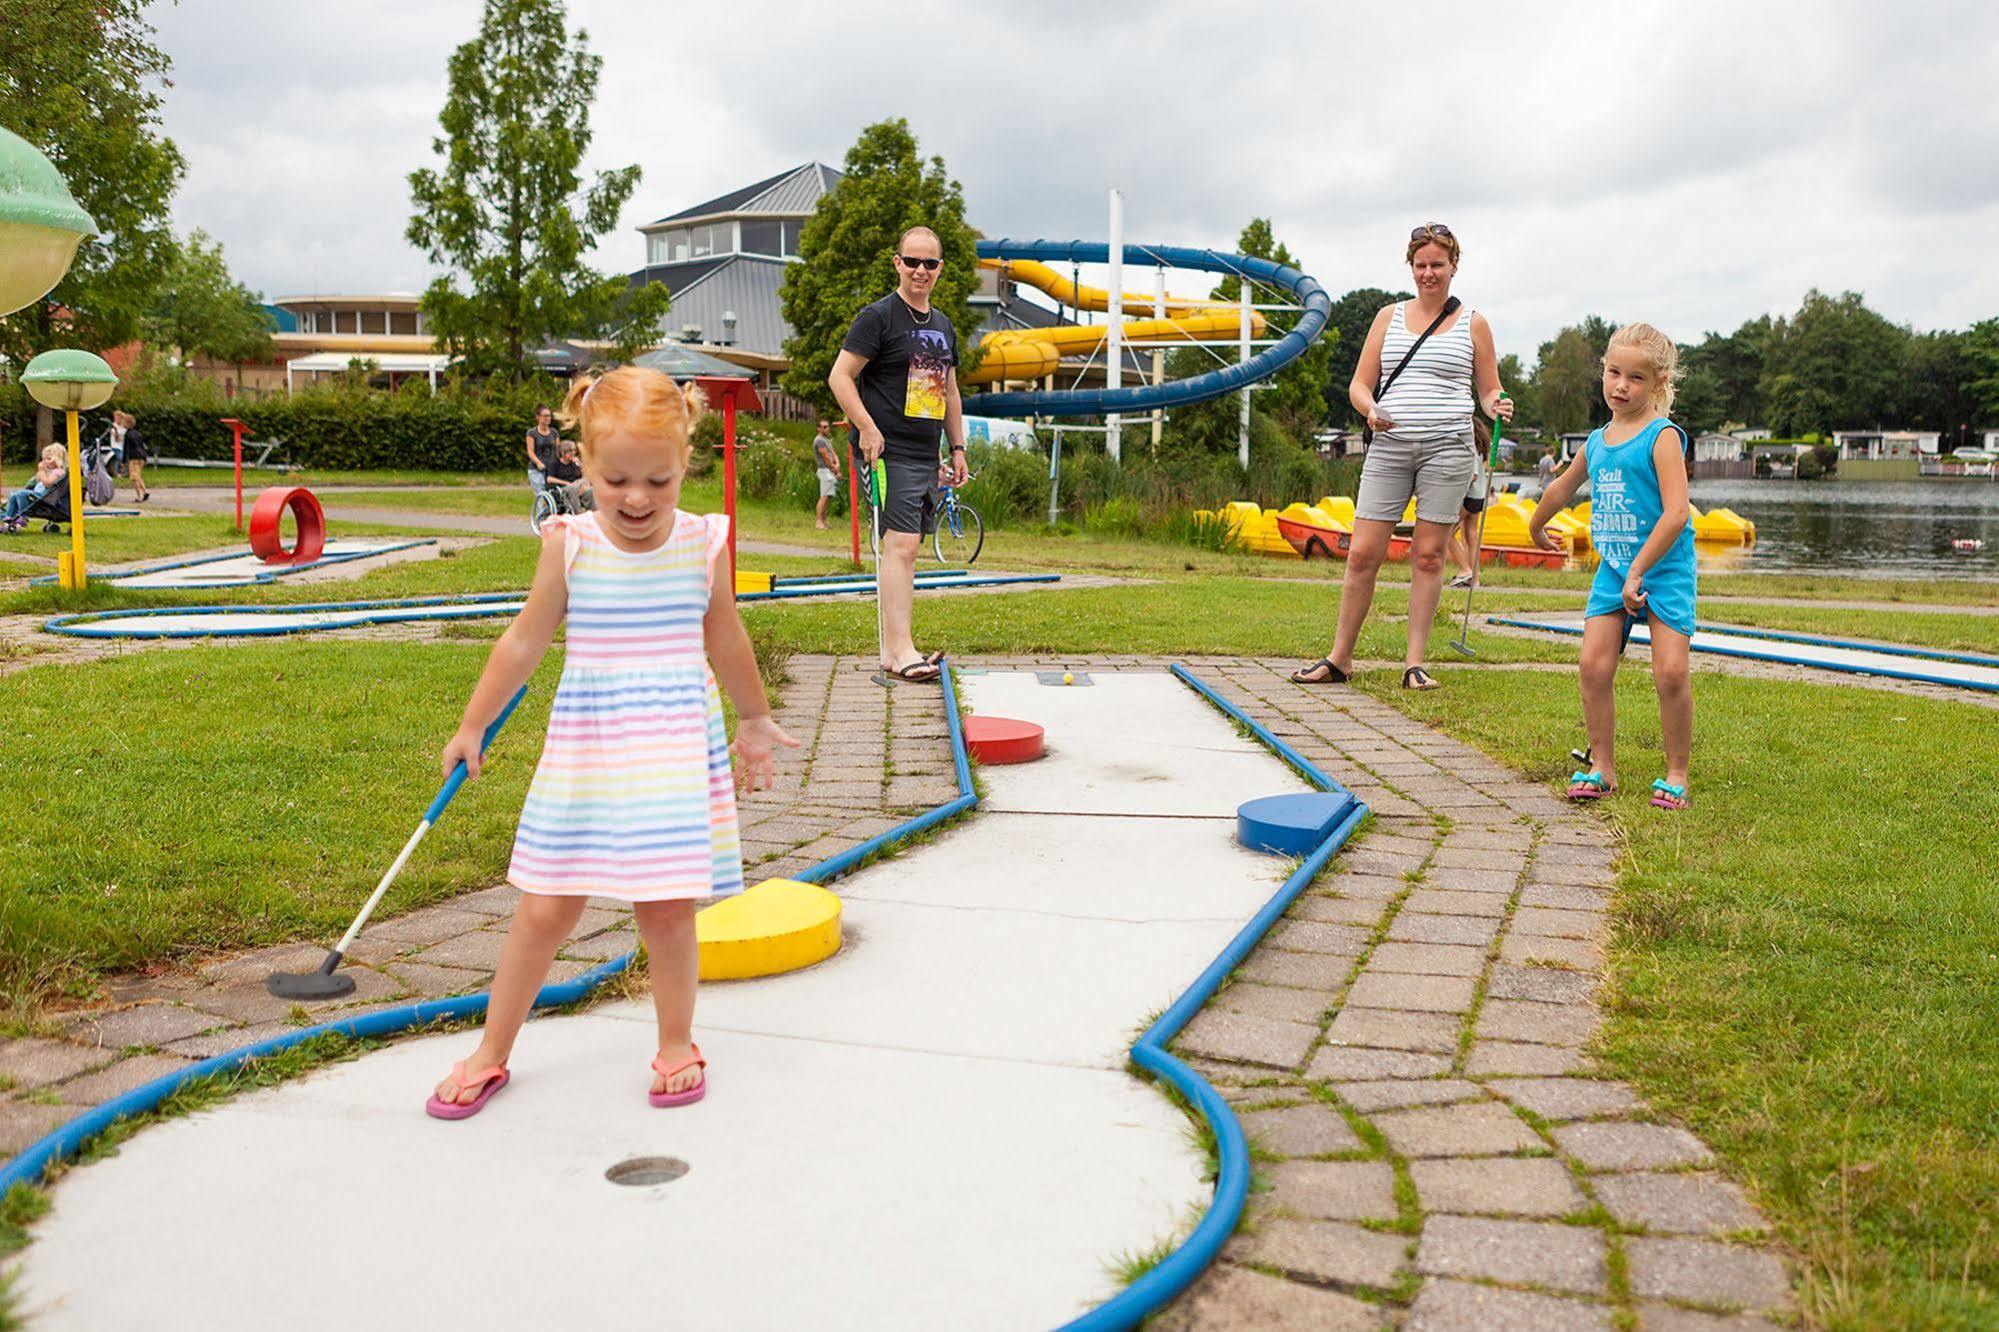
x=1431 y=398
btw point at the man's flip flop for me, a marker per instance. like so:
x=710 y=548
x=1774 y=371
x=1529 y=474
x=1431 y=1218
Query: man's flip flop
x=1422 y=679
x=1333 y=674
x=1589 y=786
x=664 y=1100
x=1665 y=795
x=917 y=672
x=494 y=1078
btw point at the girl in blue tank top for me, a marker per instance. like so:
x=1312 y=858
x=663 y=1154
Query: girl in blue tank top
x=1639 y=524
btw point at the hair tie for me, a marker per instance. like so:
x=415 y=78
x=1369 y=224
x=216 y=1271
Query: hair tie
x=592 y=388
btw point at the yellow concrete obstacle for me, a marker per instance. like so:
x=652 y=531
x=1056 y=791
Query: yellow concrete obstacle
x=749 y=581
x=777 y=926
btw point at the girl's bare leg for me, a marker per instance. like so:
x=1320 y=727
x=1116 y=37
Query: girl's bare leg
x=540 y=925
x=1672 y=680
x=674 y=957
x=1602 y=636
x=1370 y=548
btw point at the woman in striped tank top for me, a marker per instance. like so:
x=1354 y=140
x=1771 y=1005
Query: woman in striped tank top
x=633 y=798
x=1422 y=446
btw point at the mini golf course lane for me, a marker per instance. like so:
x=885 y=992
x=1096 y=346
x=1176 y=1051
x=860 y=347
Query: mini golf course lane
x=932 y=1129
x=1962 y=670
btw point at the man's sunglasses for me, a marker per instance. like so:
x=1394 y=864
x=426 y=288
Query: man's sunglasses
x=1429 y=229
x=931 y=265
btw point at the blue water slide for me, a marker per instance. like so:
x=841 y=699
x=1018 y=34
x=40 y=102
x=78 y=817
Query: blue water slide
x=1317 y=305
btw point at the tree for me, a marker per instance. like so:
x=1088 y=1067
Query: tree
x=1296 y=396
x=1981 y=353
x=200 y=310
x=1933 y=389
x=1831 y=366
x=1353 y=314
x=1519 y=387
x=1567 y=384
x=846 y=248
x=508 y=211
x=81 y=81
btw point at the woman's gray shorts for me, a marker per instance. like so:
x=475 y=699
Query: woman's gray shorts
x=1437 y=472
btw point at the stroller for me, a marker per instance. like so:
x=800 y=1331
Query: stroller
x=99 y=489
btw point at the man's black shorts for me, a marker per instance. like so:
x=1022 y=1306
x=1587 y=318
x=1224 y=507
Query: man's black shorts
x=912 y=500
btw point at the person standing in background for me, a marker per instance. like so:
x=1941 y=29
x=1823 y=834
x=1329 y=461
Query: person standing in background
x=829 y=469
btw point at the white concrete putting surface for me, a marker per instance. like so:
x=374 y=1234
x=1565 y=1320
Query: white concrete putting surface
x=932 y=1129
x=244 y=569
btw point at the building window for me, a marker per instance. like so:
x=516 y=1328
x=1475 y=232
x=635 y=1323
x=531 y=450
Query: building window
x=763 y=238
x=793 y=227
x=403 y=321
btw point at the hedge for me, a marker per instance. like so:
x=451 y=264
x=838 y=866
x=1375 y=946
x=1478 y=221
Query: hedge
x=321 y=428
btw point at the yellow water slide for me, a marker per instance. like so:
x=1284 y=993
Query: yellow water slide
x=1030 y=353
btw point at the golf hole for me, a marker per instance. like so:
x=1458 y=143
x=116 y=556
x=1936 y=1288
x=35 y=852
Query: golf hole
x=641 y=1171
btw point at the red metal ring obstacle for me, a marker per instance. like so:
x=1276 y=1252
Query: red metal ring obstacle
x=267 y=544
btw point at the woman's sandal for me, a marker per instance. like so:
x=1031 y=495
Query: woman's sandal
x=662 y=1100
x=1422 y=679
x=1589 y=786
x=492 y=1079
x=917 y=672
x=1310 y=674
x=1665 y=795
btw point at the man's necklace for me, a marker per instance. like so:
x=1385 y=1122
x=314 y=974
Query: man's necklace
x=923 y=318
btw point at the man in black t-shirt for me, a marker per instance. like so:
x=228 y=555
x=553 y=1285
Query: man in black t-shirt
x=896 y=380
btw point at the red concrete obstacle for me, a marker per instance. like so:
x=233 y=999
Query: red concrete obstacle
x=1003 y=740
x=266 y=542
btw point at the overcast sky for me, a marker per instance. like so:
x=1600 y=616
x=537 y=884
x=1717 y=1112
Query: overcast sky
x=1692 y=164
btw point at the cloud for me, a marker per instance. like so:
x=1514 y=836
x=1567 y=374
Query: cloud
x=1695 y=164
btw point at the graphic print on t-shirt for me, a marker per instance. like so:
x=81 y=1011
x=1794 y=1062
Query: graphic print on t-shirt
x=927 y=382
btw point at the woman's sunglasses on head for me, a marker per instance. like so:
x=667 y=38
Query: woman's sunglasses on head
x=931 y=265
x=1429 y=229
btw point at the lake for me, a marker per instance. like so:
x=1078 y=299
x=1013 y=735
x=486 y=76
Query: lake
x=1882 y=529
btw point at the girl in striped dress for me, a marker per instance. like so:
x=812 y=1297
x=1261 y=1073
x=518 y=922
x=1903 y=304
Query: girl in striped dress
x=633 y=799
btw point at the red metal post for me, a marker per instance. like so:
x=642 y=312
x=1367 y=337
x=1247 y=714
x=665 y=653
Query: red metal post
x=236 y=429
x=854 y=503
x=729 y=474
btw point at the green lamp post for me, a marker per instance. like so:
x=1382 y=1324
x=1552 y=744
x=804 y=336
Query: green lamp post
x=40 y=228
x=40 y=224
x=69 y=382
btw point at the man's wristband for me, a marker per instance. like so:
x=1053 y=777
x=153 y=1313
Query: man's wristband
x=957 y=448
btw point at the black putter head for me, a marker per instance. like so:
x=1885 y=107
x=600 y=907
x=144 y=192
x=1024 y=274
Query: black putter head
x=325 y=983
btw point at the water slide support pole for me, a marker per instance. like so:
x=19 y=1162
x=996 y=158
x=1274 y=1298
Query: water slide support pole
x=1242 y=423
x=1114 y=334
x=1159 y=354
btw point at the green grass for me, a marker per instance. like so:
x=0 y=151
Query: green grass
x=158 y=476
x=1804 y=963
x=187 y=802
x=511 y=501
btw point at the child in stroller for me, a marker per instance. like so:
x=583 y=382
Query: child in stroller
x=40 y=497
x=566 y=491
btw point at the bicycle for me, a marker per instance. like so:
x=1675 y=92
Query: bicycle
x=961 y=533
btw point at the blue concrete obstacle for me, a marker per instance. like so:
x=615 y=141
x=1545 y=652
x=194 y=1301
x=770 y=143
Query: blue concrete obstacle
x=1291 y=825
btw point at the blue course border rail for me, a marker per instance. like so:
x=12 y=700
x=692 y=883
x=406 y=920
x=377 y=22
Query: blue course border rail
x=88 y=624
x=1125 y=1310
x=1793 y=659
x=263 y=576
x=1317 y=305
x=1175 y=1272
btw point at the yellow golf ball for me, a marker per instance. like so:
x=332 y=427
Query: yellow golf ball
x=1068 y=678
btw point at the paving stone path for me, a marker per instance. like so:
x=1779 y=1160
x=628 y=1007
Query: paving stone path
x=1408 y=1049
x=1409 y=1052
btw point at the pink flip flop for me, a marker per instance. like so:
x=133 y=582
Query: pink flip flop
x=664 y=1100
x=494 y=1078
